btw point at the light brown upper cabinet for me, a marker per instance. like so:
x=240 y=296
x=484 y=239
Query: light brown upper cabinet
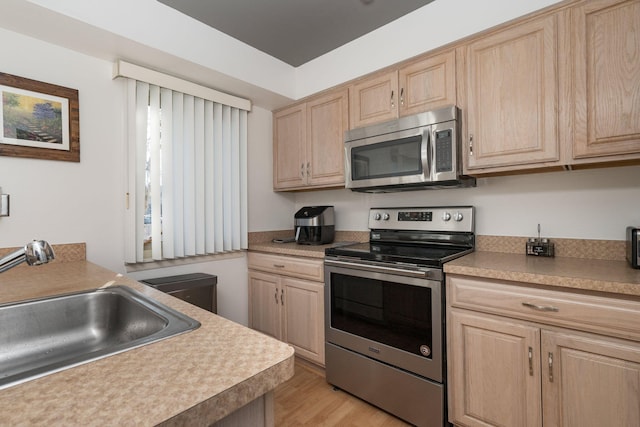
x=418 y=86
x=511 y=96
x=289 y=147
x=606 y=78
x=308 y=143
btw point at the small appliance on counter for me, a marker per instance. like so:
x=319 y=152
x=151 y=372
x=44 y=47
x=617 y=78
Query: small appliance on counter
x=633 y=246
x=314 y=225
x=540 y=246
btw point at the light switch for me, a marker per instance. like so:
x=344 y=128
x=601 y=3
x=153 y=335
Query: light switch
x=4 y=205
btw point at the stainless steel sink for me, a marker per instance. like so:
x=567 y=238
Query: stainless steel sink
x=42 y=336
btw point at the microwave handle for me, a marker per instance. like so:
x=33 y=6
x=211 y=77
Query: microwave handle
x=430 y=152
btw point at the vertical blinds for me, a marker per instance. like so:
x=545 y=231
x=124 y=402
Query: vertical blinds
x=188 y=175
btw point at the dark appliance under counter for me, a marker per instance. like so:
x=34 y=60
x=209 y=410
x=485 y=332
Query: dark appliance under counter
x=196 y=288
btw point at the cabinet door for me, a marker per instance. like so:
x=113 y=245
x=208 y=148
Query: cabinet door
x=327 y=120
x=590 y=381
x=374 y=100
x=264 y=303
x=428 y=84
x=289 y=144
x=493 y=370
x=303 y=318
x=606 y=44
x=512 y=95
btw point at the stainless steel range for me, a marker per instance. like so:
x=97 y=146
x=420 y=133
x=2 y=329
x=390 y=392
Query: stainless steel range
x=384 y=309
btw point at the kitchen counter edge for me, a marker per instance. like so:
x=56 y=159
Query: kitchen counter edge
x=614 y=277
x=195 y=378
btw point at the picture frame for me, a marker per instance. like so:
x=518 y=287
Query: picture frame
x=38 y=120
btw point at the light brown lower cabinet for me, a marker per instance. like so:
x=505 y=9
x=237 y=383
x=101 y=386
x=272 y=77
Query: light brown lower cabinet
x=512 y=371
x=285 y=306
x=589 y=380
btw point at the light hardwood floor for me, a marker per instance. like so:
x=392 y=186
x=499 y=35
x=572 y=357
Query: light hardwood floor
x=308 y=400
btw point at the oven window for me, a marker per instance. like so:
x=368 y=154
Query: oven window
x=394 y=314
x=393 y=158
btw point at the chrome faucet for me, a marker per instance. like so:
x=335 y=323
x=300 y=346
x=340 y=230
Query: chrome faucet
x=34 y=253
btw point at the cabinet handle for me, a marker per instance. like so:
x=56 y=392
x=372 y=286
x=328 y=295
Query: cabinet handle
x=276 y=295
x=402 y=96
x=278 y=265
x=530 y=361
x=471 y=145
x=308 y=168
x=550 y=367
x=281 y=296
x=302 y=170
x=540 y=307
x=393 y=105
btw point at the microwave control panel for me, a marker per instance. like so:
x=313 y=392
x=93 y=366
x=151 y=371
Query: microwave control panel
x=444 y=153
x=441 y=218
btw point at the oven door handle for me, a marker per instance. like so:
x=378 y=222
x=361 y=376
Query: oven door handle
x=382 y=269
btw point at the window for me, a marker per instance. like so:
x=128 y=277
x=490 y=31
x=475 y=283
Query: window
x=187 y=186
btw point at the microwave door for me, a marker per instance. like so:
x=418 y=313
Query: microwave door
x=386 y=160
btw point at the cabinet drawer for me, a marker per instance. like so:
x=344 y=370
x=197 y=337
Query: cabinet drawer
x=290 y=266
x=607 y=315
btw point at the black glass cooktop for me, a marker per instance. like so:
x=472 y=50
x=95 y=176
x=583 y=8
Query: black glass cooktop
x=429 y=255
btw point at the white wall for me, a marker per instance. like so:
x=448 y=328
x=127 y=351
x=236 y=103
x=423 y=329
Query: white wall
x=64 y=202
x=268 y=210
x=586 y=204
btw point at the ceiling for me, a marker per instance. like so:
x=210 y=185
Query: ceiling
x=295 y=31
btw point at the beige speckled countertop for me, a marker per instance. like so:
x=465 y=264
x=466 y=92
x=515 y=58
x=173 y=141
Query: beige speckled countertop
x=591 y=265
x=262 y=242
x=191 y=379
x=585 y=274
x=294 y=249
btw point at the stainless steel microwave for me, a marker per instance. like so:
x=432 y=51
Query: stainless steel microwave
x=414 y=152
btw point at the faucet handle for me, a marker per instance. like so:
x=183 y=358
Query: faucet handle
x=38 y=252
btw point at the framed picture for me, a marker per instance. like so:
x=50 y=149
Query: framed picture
x=39 y=120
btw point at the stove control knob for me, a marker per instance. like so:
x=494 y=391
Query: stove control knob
x=377 y=217
x=386 y=217
x=446 y=216
x=457 y=216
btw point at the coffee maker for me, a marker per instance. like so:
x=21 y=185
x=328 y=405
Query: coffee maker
x=314 y=225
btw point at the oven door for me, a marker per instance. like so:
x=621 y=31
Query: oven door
x=389 y=317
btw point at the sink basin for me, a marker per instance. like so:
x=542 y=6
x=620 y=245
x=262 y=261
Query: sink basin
x=42 y=336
